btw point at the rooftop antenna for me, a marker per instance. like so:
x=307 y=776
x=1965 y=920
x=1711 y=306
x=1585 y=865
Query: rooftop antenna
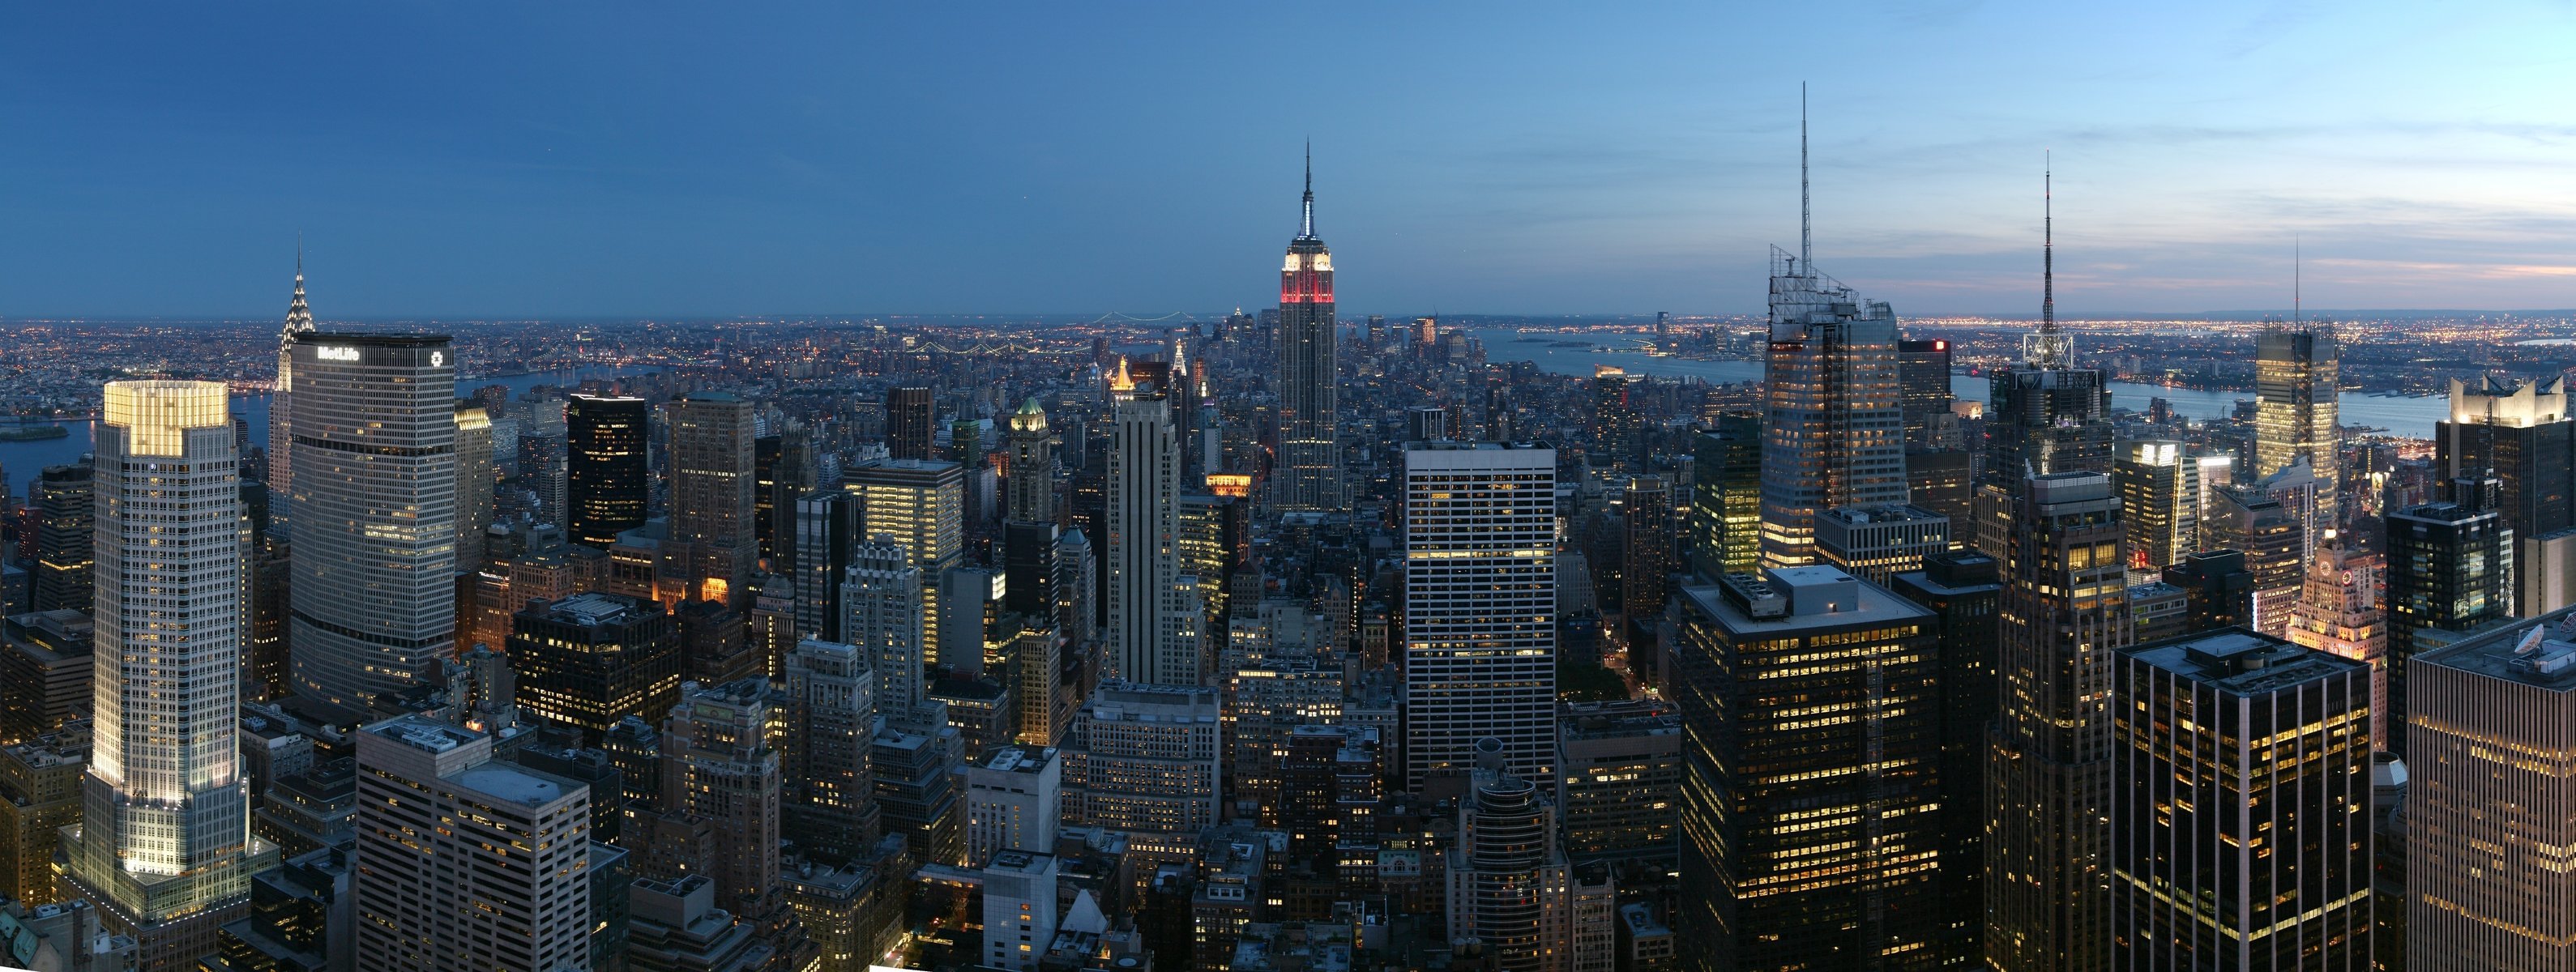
x=2047 y=245
x=1806 y=236
x=1310 y=189
x=2294 y=279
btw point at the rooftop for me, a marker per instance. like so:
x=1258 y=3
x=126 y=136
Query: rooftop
x=2540 y=652
x=2241 y=662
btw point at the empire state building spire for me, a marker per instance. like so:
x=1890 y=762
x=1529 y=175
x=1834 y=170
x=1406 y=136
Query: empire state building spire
x=1308 y=232
x=1310 y=476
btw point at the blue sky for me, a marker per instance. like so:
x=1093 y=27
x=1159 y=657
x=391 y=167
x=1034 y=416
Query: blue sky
x=567 y=159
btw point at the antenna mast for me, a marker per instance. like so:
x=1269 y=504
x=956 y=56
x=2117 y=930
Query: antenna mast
x=2047 y=246
x=1806 y=237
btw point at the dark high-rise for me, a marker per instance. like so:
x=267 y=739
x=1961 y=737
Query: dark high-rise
x=61 y=497
x=2450 y=567
x=1964 y=592
x=1309 y=474
x=1726 y=497
x=911 y=423
x=2043 y=415
x=1616 y=426
x=590 y=660
x=1923 y=376
x=1649 y=550
x=2217 y=588
x=2522 y=436
x=605 y=479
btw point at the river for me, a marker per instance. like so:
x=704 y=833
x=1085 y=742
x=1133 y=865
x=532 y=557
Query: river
x=21 y=461
x=2400 y=415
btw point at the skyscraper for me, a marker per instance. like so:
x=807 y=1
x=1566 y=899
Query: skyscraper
x=830 y=702
x=1479 y=606
x=2159 y=502
x=1649 y=550
x=588 y=661
x=1809 y=842
x=2048 y=778
x=2521 y=435
x=1833 y=417
x=1726 y=497
x=65 y=517
x=2256 y=523
x=281 y=410
x=473 y=482
x=1032 y=485
x=2450 y=568
x=605 y=479
x=1924 y=372
x=882 y=614
x=1310 y=451
x=911 y=423
x=1961 y=590
x=2295 y=372
x=1146 y=758
x=2339 y=614
x=1509 y=886
x=164 y=848
x=921 y=506
x=1616 y=425
x=1878 y=543
x=718 y=767
x=1153 y=632
x=827 y=527
x=374 y=592
x=2202 y=730
x=711 y=495
x=2043 y=416
x=2490 y=803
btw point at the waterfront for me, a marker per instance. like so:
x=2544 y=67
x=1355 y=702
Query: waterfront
x=2400 y=415
x=21 y=461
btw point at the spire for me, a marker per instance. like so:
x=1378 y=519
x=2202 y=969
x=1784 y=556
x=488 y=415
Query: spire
x=2047 y=246
x=1122 y=382
x=1806 y=238
x=2294 y=279
x=1309 y=231
x=298 y=316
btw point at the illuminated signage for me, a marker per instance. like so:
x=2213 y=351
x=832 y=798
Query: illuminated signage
x=335 y=354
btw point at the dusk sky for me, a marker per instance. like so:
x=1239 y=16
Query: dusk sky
x=563 y=159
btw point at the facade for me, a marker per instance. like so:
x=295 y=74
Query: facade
x=473 y=489
x=2203 y=729
x=827 y=528
x=1014 y=802
x=2520 y=435
x=2218 y=592
x=1878 y=543
x=1309 y=475
x=2295 y=389
x=712 y=519
x=1833 y=423
x=605 y=477
x=40 y=794
x=1146 y=758
x=164 y=849
x=719 y=768
x=1619 y=781
x=911 y=424
x=2271 y=535
x=2048 y=778
x=374 y=589
x=1153 y=633
x=830 y=804
x=921 y=506
x=46 y=662
x=1726 y=498
x=1616 y=425
x=2159 y=502
x=1032 y=483
x=588 y=661
x=1924 y=381
x=1649 y=565
x=2450 y=568
x=2339 y=614
x=1964 y=593
x=1509 y=885
x=881 y=603
x=463 y=861
x=1019 y=909
x=1809 y=842
x=1479 y=606
x=62 y=571
x=2485 y=881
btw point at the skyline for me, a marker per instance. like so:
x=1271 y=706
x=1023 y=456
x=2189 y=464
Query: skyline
x=462 y=163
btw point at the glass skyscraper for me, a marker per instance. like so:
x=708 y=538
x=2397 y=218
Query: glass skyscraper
x=605 y=479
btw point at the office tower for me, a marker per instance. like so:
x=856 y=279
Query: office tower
x=2159 y=502
x=2294 y=410
x=2339 y=614
x=1423 y=423
x=882 y=614
x=827 y=529
x=2044 y=415
x=1154 y=615
x=1077 y=588
x=675 y=926
x=2218 y=588
x=1923 y=368
x=1807 y=843
x=1509 y=885
x=588 y=661
x=915 y=767
x=2490 y=803
x=1019 y=909
x=1499 y=411
x=719 y=770
x=1309 y=473
x=605 y=478
x=910 y=424
x=464 y=861
x=1619 y=785
x=2450 y=567
x=2521 y=435
x=40 y=794
x=271 y=603
x=1032 y=484
x=473 y=484
x=1332 y=785
x=1617 y=428
x=1013 y=802
x=281 y=412
x=374 y=592
x=1037 y=679
x=1881 y=542
x=922 y=506
x=1943 y=481
x=711 y=495
x=1964 y=592
x=970 y=621
x=164 y=848
x=1649 y=564
x=1726 y=497
x=62 y=502
x=830 y=806
x=784 y=466
x=1145 y=758
x=2157 y=611
x=2064 y=612
x=45 y=666
x=1479 y=606
x=2268 y=532
x=2203 y=730
x=1833 y=430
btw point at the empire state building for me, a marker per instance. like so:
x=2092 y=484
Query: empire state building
x=1310 y=456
